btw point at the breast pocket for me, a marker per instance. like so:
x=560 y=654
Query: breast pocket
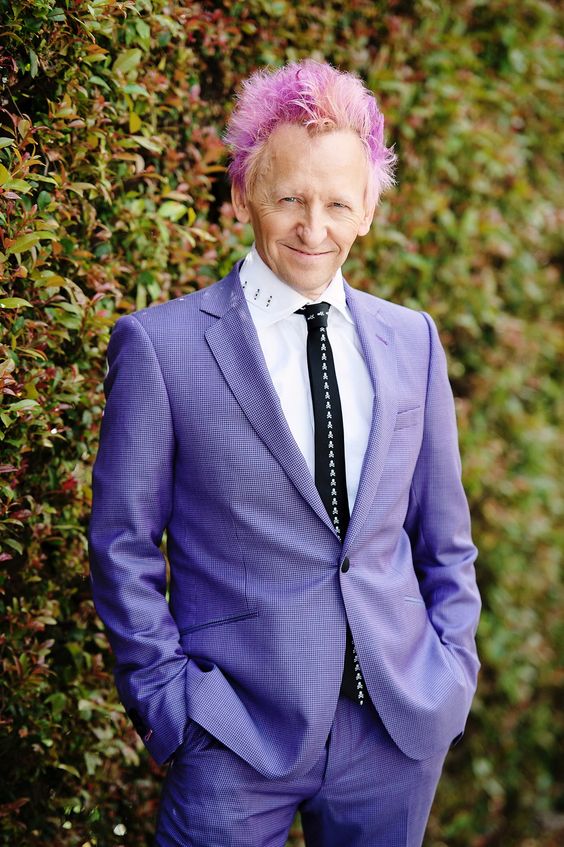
x=408 y=417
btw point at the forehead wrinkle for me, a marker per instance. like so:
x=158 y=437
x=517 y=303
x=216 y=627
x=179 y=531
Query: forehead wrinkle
x=307 y=174
x=294 y=164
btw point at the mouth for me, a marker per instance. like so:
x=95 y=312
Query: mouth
x=308 y=254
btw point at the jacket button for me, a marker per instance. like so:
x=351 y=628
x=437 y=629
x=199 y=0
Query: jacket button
x=345 y=566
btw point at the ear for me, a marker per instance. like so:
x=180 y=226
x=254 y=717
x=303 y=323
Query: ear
x=240 y=206
x=367 y=219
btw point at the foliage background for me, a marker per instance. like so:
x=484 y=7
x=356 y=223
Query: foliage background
x=113 y=196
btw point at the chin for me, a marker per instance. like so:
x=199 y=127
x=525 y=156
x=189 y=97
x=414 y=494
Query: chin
x=311 y=288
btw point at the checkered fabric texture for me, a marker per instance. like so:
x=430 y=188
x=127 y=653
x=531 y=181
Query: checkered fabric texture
x=361 y=792
x=251 y=642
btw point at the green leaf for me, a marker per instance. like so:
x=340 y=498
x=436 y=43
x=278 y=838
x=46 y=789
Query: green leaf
x=24 y=125
x=135 y=122
x=97 y=80
x=41 y=178
x=143 y=29
x=172 y=210
x=80 y=187
x=92 y=762
x=147 y=143
x=69 y=769
x=17 y=185
x=33 y=63
x=57 y=14
x=60 y=315
x=6 y=142
x=24 y=406
x=43 y=200
x=70 y=307
x=13 y=302
x=135 y=88
x=26 y=242
x=33 y=354
x=127 y=61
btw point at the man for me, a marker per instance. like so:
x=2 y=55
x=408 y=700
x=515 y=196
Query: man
x=297 y=440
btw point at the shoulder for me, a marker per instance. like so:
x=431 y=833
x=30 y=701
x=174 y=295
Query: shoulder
x=412 y=333
x=173 y=311
x=401 y=319
x=189 y=314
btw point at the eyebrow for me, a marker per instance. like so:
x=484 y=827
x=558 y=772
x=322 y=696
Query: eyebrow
x=287 y=191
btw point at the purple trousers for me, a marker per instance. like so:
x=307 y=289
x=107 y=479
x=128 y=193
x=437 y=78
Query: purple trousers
x=362 y=792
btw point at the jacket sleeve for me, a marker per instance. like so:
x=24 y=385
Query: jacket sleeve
x=438 y=525
x=132 y=502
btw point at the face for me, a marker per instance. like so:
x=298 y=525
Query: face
x=308 y=204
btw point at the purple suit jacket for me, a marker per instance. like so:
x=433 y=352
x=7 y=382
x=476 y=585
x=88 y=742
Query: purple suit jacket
x=250 y=643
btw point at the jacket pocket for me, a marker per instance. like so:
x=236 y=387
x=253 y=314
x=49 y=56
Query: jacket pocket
x=196 y=740
x=409 y=417
x=219 y=622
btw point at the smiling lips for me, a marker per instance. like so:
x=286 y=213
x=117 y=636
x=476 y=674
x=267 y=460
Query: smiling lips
x=305 y=253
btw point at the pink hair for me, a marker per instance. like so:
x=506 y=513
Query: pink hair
x=311 y=94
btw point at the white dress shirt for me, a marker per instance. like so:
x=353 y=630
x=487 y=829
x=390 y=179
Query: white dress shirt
x=283 y=338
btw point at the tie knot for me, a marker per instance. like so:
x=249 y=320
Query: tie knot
x=316 y=315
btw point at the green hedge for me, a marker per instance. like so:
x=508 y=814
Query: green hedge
x=113 y=196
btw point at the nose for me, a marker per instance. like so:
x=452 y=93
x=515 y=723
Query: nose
x=312 y=229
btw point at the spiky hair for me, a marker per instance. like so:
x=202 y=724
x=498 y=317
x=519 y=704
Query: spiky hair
x=314 y=95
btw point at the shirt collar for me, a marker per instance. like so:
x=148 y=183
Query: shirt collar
x=272 y=300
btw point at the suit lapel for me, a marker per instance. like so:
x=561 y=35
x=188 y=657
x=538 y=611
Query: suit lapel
x=377 y=340
x=234 y=343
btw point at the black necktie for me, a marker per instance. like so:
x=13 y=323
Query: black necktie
x=330 y=474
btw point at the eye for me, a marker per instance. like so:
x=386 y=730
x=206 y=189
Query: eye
x=290 y=200
x=337 y=205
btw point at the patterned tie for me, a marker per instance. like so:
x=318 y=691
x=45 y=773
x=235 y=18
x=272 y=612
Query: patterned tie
x=330 y=475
